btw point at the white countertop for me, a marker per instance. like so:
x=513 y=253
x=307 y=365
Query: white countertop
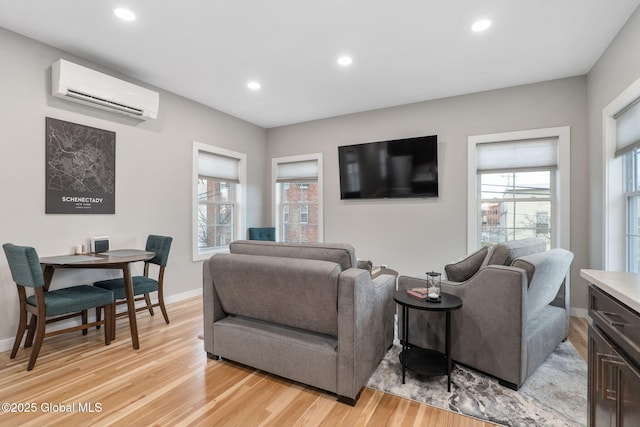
x=624 y=287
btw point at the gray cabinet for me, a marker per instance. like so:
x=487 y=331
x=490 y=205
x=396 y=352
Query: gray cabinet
x=614 y=362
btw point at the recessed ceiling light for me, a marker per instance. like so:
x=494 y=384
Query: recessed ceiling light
x=125 y=14
x=481 y=25
x=253 y=85
x=345 y=60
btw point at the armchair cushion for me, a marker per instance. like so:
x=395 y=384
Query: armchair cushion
x=505 y=253
x=523 y=247
x=498 y=255
x=466 y=267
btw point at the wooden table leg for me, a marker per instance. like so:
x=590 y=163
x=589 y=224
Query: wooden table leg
x=405 y=338
x=131 y=306
x=448 y=349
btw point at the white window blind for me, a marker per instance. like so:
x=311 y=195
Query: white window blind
x=306 y=170
x=628 y=128
x=218 y=166
x=531 y=154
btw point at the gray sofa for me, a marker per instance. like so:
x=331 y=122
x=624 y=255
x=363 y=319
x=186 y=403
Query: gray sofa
x=515 y=309
x=300 y=311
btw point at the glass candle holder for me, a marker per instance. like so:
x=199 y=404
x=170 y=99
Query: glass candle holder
x=434 y=286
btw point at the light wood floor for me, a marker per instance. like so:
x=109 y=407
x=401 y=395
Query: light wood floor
x=170 y=381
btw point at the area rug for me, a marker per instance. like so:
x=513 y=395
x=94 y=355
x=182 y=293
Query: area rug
x=555 y=395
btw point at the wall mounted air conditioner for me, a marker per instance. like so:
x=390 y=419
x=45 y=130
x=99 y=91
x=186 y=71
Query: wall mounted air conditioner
x=80 y=84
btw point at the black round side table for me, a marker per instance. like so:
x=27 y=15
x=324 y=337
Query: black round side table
x=421 y=360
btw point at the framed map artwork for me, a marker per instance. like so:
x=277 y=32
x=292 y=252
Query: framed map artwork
x=80 y=170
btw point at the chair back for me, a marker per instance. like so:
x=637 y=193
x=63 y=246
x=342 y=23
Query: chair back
x=24 y=264
x=160 y=245
x=262 y=233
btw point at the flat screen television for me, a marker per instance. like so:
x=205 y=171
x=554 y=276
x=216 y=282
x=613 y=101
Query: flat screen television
x=399 y=168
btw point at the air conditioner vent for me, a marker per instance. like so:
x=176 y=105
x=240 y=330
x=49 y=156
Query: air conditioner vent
x=90 y=98
x=80 y=84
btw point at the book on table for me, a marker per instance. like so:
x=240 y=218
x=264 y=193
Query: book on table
x=420 y=293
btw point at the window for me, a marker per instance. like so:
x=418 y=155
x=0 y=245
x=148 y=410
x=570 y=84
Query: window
x=515 y=205
x=514 y=187
x=632 y=196
x=620 y=204
x=542 y=224
x=304 y=214
x=628 y=149
x=218 y=175
x=216 y=207
x=298 y=198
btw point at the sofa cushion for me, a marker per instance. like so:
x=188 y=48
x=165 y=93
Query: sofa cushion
x=340 y=253
x=289 y=352
x=466 y=267
x=505 y=253
x=278 y=290
x=527 y=266
x=523 y=247
x=498 y=255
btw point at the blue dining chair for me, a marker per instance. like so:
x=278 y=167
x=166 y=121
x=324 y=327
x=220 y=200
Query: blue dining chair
x=143 y=285
x=262 y=233
x=59 y=304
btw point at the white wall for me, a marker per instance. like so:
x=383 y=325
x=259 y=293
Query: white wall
x=616 y=69
x=416 y=236
x=153 y=172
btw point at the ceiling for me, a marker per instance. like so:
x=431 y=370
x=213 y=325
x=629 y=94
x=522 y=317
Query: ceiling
x=403 y=51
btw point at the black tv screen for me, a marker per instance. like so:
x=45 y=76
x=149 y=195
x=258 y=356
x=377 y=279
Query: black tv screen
x=388 y=169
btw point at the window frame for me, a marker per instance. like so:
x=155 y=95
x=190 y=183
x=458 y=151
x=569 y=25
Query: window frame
x=240 y=199
x=276 y=196
x=614 y=202
x=631 y=193
x=562 y=192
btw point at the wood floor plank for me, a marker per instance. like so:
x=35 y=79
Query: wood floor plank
x=169 y=381
x=578 y=328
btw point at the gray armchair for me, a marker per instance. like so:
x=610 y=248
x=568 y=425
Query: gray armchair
x=513 y=316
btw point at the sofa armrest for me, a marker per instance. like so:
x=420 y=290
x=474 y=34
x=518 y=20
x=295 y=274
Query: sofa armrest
x=364 y=264
x=550 y=269
x=212 y=309
x=489 y=328
x=365 y=320
x=385 y=286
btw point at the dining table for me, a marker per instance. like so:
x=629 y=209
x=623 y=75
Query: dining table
x=118 y=259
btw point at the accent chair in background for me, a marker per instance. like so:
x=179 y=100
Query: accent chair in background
x=262 y=233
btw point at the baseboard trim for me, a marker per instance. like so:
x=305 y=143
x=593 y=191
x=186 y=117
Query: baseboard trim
x=7 y=343
x=579 y=312
x=183 y=296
